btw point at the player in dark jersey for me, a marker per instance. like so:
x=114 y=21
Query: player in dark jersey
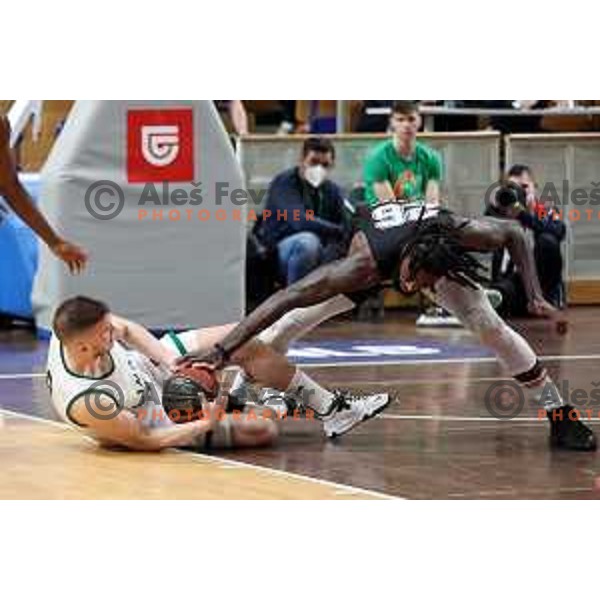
x=421 y=248
x=18 y=199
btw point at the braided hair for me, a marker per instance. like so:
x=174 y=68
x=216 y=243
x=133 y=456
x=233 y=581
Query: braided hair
x=436 y=249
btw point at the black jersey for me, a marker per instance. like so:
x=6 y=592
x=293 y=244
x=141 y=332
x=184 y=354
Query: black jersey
x=391 y=227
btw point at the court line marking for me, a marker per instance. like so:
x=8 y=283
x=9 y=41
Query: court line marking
x=441 y=361
x=434 y=382
x=14 y=413
x=513 y=492
x=21 y=375
x=338 y=488
x=379 y=363
x=476 y=419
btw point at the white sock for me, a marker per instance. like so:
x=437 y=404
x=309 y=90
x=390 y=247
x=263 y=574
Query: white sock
x=310 y=392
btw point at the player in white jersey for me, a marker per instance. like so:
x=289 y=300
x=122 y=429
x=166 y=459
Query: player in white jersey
x=106 y=373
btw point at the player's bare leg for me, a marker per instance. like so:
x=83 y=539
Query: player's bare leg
x=339 y=411
x=473 y=308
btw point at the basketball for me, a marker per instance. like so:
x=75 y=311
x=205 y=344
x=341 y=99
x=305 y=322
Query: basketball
x=184 y=392
x=204 y=377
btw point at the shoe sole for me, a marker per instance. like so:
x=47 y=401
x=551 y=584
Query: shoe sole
x=365 y=418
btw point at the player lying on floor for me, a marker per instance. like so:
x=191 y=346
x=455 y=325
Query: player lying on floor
x=106 y=374
x=429 y=248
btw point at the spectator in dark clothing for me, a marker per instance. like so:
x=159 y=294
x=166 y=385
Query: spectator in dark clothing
x=374 y=116
x=547 y=231
x=315 y=228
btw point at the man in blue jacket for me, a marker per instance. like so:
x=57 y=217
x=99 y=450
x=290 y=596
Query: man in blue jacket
x=304 y=220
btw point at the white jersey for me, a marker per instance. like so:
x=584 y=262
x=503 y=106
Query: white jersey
x=132 y=380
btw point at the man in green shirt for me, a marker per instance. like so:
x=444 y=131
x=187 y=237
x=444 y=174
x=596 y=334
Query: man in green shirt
x=403 y=169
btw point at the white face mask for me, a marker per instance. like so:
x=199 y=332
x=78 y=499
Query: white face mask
x=315 y=175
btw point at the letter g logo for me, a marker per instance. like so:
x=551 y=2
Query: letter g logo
x=160 y=144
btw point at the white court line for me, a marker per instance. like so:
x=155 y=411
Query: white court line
x=380 y=363
x=477 y=419
x=340 y=488
x=21 y=375
x=12 y=413
x=440 y=361
x=435 y=382
x=514 y=492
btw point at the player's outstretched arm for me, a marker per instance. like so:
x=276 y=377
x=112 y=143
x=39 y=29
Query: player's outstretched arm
x=136 y=336
x=125 y=430
x=356 y=272
x=488 y=233
x=18 y=199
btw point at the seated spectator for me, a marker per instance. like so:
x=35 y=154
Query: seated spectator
x=547 y=232
x=315 y=228
x=374 y=116
x=403 y=169
x=288 y=117
x=316 y=116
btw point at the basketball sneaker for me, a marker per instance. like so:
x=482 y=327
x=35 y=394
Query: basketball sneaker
x=348 y=411
x=570 y=434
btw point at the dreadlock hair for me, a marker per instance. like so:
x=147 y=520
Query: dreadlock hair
x=436 y=249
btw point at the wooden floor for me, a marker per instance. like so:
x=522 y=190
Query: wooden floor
x=437 y=440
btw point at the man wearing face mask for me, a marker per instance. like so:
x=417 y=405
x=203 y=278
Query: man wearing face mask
x=403 y=169
x=315 y=228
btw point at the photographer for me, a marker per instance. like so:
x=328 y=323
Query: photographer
x=516 y=200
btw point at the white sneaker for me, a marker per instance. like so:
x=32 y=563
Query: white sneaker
x=349 y=411
x=274 y=399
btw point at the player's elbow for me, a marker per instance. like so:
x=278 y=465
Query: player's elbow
x=512 y=234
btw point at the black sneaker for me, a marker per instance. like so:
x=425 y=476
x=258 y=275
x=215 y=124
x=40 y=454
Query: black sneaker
x=567 y=432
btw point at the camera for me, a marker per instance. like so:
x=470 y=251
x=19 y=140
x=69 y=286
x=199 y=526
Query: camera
x=510 y=194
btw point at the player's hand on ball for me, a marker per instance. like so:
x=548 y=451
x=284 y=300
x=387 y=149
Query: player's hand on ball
x=214 y=359
x=180 y=365
x=72 y=255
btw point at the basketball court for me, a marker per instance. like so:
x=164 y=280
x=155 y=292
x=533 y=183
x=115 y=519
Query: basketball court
x=437 y=440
